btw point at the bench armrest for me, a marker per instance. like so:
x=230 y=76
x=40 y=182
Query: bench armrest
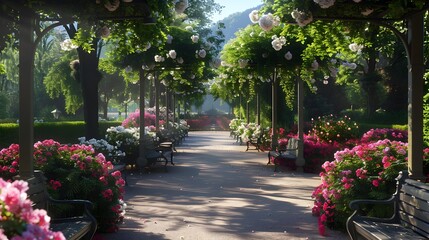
x=87 y=207
x=87 y=204
x=355 y=204
x=359 y=214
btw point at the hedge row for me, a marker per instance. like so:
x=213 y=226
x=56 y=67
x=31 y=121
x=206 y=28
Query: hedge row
x=63 y=132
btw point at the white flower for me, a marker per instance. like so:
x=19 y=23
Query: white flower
x=367 y=11
x=333 y=71
x=350 y=65
x=268 y=21
x=314 y=65
x=159 y=58
x=314 y=88
x=147 y=46
x=302 y=18
x=278 y=42
x=254 y=16
x=356 y=47
x=195 y=38
x=243 y=62
x=313 y=81
x=202 y=53
x=67 y=45
x=112 y=5
x=179 y=60
x=181 y=6
x=325 y=3
x=189 y=28
x=216 y=62
x=172 y=54
x=128 y=69
x=288 y=55
x=104 y=32
x=169 y=39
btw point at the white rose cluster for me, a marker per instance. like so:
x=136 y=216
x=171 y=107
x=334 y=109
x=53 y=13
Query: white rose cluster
x=356 y=47
x=325 y=3
x=278 y=42
x=302 y=18
x=268 y=21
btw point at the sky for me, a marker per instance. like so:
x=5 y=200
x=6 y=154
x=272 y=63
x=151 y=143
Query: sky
x=233 y=6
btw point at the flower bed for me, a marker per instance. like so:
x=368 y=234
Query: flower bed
x=366 y=171
x=74 y=172
x=18 y=219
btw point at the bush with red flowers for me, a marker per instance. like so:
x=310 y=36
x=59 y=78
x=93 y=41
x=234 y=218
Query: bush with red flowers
x=366 y=171
x=74 y=172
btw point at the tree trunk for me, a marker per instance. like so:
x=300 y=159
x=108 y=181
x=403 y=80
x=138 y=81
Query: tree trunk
x=89 y=79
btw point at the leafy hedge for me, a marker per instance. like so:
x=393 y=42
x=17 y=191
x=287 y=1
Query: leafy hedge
x=64 y=132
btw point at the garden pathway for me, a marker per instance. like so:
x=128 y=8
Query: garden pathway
x=217 y=191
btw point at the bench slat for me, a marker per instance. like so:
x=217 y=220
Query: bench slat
x=381 y=231
x=72 y=230
x=411 y=220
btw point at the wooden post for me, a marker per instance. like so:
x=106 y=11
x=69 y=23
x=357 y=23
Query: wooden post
x=258 y=109
x=300 y=161
x=248 y=112
x=415 y=95
x=274 y=84
x=142 y=159
x=173 y=104
x=156 y=101
x=27 y=50
x=167 y=102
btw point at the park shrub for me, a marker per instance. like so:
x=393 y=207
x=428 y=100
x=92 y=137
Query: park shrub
x=124 y=139
x=200 y=123
x=384 y=133
x=18 y=218
x=133 y=119
x=74 y=172
x=62 y=131
x=365 y=171
x=330 y=128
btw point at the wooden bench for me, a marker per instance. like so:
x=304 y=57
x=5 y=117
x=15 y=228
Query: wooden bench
x=410 y=219
x=155 y=153
x=287 y=153
x=255 y=142
x=80 y=226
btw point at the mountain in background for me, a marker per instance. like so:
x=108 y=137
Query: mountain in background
x=233 y=23
x=236 y=21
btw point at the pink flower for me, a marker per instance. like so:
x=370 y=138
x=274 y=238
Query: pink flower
x=375 y=182
x=107 y=194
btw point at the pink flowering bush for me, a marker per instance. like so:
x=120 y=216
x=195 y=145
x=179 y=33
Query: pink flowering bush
x=365 y=171
x=19 y=221
x=75 y=172
x=385 y=133
x=133 y=119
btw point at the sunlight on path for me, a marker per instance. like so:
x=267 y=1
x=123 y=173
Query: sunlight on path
x=216 y=191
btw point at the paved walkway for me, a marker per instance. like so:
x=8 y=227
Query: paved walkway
x=217 y=191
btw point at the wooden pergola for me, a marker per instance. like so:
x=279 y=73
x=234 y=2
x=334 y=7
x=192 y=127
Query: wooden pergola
x=29 y=36
x=413 y=41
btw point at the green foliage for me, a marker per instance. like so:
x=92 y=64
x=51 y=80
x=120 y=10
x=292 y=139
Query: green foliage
x=59 y=81
x=334 y=129
x=65 y=132
x=4 y=105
